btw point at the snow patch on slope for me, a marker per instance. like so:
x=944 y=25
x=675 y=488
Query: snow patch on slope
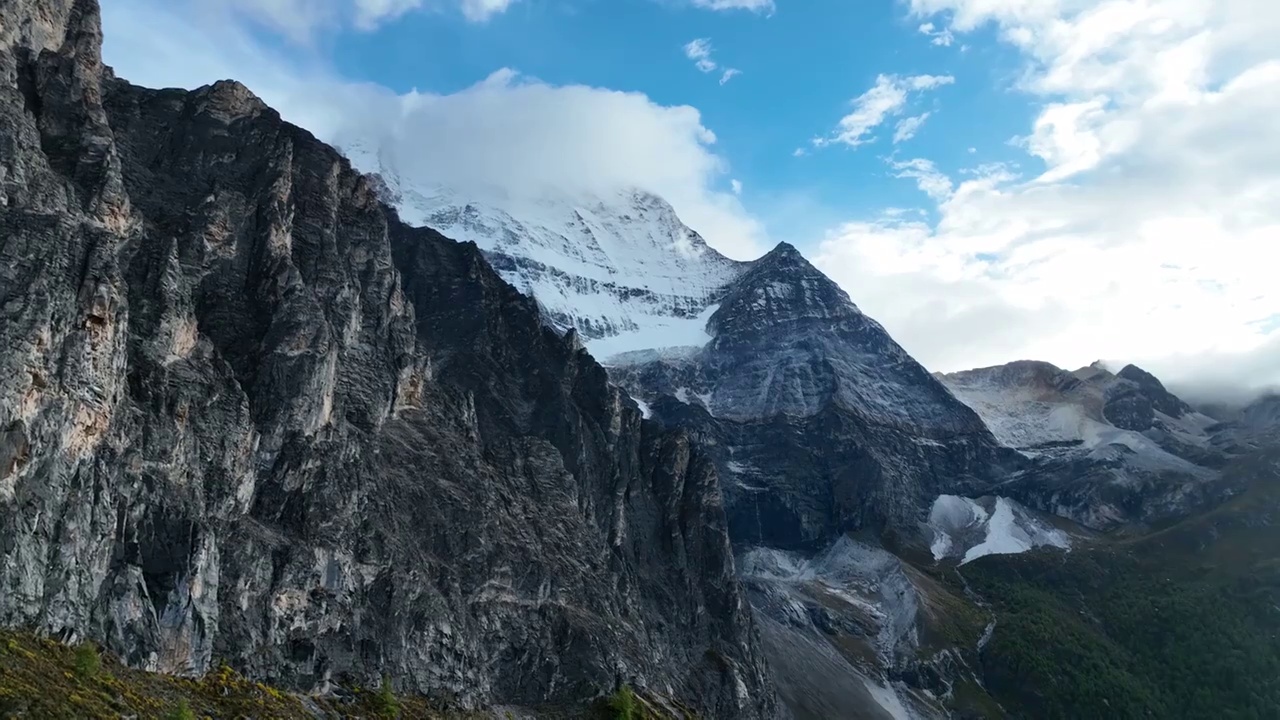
x=666 y=336
x=888 y=700
x=965 y=528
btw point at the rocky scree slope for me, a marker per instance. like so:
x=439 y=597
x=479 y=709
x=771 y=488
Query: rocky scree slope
x=248 y=415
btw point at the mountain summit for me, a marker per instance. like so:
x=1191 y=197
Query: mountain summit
x=618 y=267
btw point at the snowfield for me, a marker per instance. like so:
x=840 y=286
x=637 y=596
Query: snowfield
x=967 y=529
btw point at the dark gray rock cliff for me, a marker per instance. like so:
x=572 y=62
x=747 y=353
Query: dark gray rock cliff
x=819 y=423
x=246 y=414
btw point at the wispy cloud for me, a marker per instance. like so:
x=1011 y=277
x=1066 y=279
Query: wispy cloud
x=927 y=176
x=941 y=38
x=700 y=51
x=474 y=10
x=908 y=127
x=301 y=20
x=886 y=99
x=758 y=6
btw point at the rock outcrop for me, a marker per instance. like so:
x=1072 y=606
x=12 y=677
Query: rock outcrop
x=246 y=414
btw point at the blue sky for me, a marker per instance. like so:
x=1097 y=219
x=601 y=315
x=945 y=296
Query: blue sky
x=795 y=82
x=1094 y=178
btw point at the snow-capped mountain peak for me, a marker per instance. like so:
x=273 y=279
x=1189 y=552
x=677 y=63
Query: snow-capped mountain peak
x=619 y=266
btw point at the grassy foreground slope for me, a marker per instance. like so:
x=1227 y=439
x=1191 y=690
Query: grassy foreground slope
x=41 y=678
x=44 y=679
x=1181 y=623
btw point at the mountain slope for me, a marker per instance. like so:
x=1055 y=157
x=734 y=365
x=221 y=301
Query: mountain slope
x=779 y=357
x=248 y=415
x=818 y=425
x=1177 y=623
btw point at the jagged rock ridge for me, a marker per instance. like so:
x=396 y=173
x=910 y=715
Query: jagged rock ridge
x=249 y=415
x=1107 y=449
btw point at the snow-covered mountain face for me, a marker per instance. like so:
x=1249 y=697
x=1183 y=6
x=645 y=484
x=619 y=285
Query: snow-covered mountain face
x=619 y=267
x=1041 y=409
x=623 y=270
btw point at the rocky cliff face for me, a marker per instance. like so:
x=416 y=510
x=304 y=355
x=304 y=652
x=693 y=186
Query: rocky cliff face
x=819 y=422
x=246 y=414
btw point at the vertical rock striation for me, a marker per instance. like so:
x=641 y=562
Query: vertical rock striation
x=246 y=414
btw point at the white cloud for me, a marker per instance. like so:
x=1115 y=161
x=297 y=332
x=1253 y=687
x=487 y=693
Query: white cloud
x=759 y=6
x=927 y=176
x=889 y=97
x=299 y=20
x=736 y=185
x=700 y=51
x=474 y=10
x=1152 y=233
x=908 y=127
x=941 y=38
x=517 y=134
x=372 y=13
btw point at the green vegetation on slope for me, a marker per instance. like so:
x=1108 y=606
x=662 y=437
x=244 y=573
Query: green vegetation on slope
x=40 y=678
x=1182 y=623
